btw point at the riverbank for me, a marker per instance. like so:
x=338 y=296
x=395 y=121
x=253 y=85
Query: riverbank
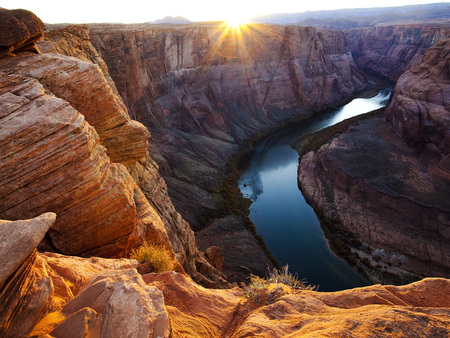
x=375 y=154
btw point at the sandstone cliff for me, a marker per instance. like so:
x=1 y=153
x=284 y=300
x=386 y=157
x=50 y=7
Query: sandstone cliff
x=389 y=190
x=392 y=50
x=69 y=147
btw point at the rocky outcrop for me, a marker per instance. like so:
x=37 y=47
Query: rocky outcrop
x=415 y=310
x=393 y=196
x=22 y=289
x=59 y=296
x=392 y=50
x=28 y=232
x=53 y=161
x=19 y=31
x=420 y=107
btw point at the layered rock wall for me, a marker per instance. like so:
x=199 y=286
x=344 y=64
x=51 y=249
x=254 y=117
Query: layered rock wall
x=420 y=107
x=125 y=139
x=392 y=50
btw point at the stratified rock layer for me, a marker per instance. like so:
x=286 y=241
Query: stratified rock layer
x=419 y=110
x=52 y=160
x=128 y=144
x=392 y=50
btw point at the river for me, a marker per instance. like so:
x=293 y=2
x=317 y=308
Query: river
x=279 y=212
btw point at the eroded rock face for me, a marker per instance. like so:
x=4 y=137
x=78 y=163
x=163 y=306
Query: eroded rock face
x=19 y=31
x=419 y=110
x=85 y=88
x=52 y=160
x=389 y=196
x=392 y=50
x=129 y=146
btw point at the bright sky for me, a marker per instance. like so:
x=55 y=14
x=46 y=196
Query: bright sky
x=135 y=11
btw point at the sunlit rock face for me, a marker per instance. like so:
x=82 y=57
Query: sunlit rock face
x=203 y=89
x=53 y=160
x=93 y=93
x=392 y=50
x=388 y=181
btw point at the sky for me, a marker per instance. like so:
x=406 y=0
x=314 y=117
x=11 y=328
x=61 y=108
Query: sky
x=136 y=11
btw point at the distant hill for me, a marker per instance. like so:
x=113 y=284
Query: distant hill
x=174 y=20
x=362 y=17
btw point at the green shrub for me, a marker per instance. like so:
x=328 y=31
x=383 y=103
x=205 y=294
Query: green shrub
x=276 y=284
x=158 y=256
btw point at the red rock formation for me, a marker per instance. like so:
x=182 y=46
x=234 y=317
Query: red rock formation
x=392 y=50
x=19 y=31
x=23 y=290
x=103 y=297
x=52 y=161
x=193 y=310
x=127 y=145
x=415 y=310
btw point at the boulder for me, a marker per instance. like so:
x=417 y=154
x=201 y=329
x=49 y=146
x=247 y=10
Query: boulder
x=19 y=31
x=29 y=233
x=116 y=304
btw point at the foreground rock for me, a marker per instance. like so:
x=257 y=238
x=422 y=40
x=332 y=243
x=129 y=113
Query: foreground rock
x=19 y=31
x=22 y=290
x=393 y=196
x=61 y=296
x=415 y=310
x=29 y=233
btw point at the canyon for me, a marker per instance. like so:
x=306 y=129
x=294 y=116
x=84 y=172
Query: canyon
x=96 y=119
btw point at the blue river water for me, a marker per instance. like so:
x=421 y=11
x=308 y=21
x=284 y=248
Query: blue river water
x=279 y=212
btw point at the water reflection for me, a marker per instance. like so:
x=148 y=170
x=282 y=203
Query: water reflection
x=287 y=223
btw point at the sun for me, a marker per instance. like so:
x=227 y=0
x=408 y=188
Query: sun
x=236 y=20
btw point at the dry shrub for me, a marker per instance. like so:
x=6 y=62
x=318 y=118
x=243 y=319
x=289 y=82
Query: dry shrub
x=158 y=256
